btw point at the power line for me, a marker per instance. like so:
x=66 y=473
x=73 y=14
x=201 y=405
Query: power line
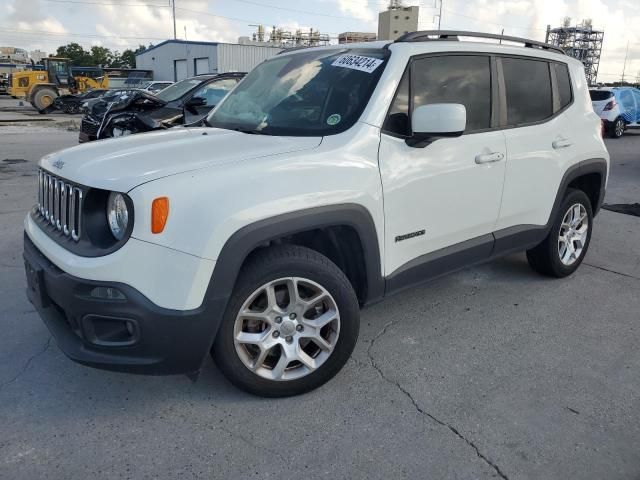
x=65 y=34
x=78 y=2
x=305 y=12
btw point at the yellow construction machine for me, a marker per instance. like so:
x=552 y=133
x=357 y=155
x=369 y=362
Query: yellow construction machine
x=41 y=87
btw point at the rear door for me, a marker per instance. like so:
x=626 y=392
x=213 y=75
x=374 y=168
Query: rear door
x=440 y=195
x=628 y=108
x=540 y=138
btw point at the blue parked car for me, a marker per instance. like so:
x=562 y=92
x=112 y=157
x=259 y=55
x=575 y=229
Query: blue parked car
x=618 y=107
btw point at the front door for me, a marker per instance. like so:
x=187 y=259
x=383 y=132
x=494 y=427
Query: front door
x=448 y=192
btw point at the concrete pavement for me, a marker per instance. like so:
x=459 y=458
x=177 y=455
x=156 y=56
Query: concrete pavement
x=493 y=372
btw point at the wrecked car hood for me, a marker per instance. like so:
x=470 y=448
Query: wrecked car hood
x=124 y=163
x=123 y=102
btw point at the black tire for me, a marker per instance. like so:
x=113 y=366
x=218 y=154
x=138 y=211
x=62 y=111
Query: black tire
x=44 y=98
x=545 y=257
x=617 y=128
x=271 y=264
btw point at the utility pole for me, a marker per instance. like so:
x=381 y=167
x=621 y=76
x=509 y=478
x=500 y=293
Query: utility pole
x=624 y=67
x=173 y=3
x=440 y=15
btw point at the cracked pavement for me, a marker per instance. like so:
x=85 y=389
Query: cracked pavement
x=493 y=372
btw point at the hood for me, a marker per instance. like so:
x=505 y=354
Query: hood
x=123 y=102
x=121 y=164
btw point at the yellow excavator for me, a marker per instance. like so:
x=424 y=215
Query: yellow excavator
x=42 y=87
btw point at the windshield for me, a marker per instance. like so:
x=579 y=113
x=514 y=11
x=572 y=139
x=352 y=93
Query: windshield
x=599 y=95
x=177 y=90
x=310 y=93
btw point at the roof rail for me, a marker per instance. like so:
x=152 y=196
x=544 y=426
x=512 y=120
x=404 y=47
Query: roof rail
x=453 y=35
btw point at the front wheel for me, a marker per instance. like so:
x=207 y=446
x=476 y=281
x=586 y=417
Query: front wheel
x=562 y=252
x=290 y=325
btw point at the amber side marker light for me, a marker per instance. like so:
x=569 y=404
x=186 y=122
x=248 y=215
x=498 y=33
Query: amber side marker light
x=159 y=214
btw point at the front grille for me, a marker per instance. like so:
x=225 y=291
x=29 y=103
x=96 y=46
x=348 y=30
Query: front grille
x=89 y=127
x=60 y=204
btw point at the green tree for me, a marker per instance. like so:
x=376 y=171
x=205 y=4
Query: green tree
x=101 y=56
x=128 y=58
x=74 y=51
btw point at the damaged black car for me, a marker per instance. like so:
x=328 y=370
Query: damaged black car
x=73 y=103
x=136 y=111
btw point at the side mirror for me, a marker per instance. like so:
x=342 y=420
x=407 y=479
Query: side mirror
x=435 y=121
x=196 y=102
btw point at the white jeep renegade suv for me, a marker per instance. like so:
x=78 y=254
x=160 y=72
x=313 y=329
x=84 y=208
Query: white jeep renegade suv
x=329 y=178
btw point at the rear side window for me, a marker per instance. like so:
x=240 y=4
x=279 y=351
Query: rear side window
x=564 y=84
x=464 y=79
x=600 y=95
x=528 y=89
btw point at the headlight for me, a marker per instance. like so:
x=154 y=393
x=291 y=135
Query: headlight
x=117 y=215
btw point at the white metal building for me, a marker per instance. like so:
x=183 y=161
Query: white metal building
x=176 y=60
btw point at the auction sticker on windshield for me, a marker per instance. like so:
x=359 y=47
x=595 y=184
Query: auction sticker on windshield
x=357 y=62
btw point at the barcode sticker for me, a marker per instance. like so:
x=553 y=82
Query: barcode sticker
x=357 y=62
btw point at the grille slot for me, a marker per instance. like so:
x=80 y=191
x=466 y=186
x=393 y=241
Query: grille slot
x=89 y=127
x=60 y=204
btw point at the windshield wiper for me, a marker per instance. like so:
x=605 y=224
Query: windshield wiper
x=249 y=131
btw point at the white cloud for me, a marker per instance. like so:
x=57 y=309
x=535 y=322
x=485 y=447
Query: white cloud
x=361 y=10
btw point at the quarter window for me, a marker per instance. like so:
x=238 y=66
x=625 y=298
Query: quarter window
x=564 y=84
x=528 y=89
x=464 y=79
x=398 y=118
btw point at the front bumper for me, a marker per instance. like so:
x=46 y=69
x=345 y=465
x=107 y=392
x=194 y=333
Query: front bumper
x=131 y=334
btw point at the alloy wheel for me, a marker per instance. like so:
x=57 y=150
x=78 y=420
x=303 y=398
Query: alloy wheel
x=619 y=128
x=573 y=234
x=286 y=329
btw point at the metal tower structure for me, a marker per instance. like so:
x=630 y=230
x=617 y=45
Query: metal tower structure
x=581 y=42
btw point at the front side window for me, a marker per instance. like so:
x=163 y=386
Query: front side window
x=528 y=88
x=307 y=93
x=626 y=98
x=215 y=91
x=177 y=90
x=464 y=79
x=564 y=84
x=455 y=79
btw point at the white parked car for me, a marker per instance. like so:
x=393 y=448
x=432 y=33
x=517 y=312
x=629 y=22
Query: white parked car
x=618 y=107
x=328 y=179
x=156 y=86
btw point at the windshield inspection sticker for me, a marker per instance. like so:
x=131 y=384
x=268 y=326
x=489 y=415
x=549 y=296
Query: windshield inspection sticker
x=334 y=119
x=357 y=62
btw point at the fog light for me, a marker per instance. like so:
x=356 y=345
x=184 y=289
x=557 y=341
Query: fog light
x=107 y=293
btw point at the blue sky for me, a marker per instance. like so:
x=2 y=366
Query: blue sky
x=120 y=24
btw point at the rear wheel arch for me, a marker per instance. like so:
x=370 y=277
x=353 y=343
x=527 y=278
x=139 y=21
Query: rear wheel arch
x=589 y=176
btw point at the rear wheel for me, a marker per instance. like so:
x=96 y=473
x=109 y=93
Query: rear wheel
x=562 y=252
x=44 y=98
x=290 y=325
x=617 y=129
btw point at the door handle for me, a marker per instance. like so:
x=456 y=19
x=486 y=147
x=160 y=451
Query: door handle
x=561 y=143
x=489 y=157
